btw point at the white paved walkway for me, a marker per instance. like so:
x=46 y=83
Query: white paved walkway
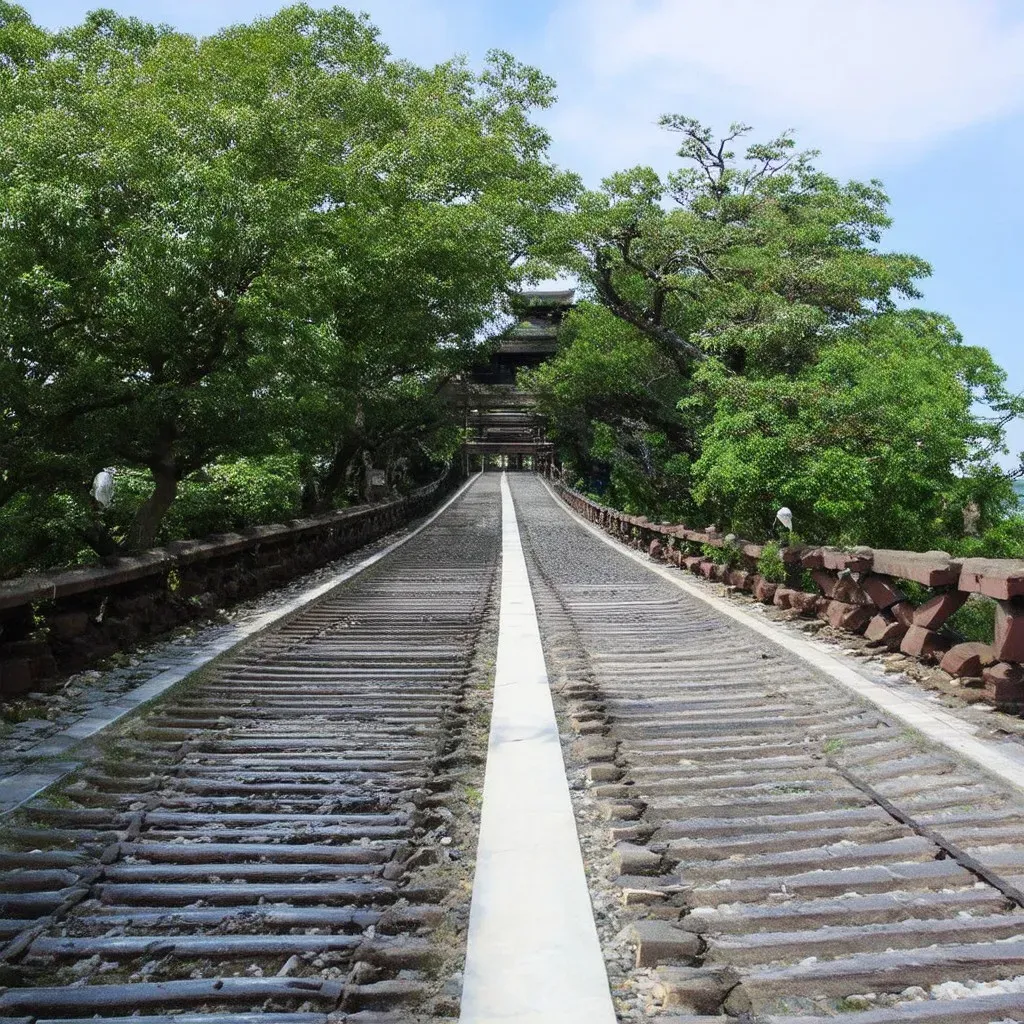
x=533 y=955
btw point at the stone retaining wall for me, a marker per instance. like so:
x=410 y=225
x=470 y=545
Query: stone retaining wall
x=858 y=590
x=56 y=623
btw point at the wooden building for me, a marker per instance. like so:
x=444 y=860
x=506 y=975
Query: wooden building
x=505 y=429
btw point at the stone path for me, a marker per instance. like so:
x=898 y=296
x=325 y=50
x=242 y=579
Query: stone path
x=39 y=750
x=533 y=955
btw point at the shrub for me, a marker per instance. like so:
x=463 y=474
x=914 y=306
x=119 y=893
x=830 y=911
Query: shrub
x=770 y=564
x=975 y=620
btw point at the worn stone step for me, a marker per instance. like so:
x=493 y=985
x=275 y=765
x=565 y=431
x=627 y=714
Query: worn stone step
x=669 y=808
x=906 y=848
x=874 y=908
x=740 y=786
x=755 y=824
x=928 y=875
x=835 y=941
x=724 y=847
x=988 y=1009
x=761 y=990
x=225 y=871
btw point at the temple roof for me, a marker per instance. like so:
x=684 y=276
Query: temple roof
x=546 y=297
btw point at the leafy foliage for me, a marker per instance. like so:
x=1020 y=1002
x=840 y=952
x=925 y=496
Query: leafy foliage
x=750 y=346
x=770 y=564
x=273 y=240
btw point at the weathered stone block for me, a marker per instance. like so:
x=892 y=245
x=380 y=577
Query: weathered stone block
x=837 y=559
x=793 y=555
x=595 y=748
x=932 y=568
x=903 y=612
x=740 y=579
x=661 y=942
x=967 y=659
x=699 y=990
x=15 y=677
x=1004 y=683
x=692 y=562
x=850 y=592
x=68 y=625
x=1009 y=631
x=882 y=629
x=656 y=549
x=1001 y=578
x=708 y=569
x=826 y=580
x=783 y=597
x=882 y=591
x=851 y=617
x=807 y=604
x=923 y=643
x=934 y=612
x=764 y=591
x=630 y=859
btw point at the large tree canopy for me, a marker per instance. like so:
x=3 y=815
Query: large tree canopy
x=749 y=345
x=247 y=243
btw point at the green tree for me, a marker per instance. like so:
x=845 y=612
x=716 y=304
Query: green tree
x=225 y=247
x=876 y=443
x=755 y=292
x=752 y=261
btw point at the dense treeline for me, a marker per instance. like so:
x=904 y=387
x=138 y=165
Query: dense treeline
x=239 y=269
x=749 y=345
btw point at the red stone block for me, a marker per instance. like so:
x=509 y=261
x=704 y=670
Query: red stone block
x=692 y=562
x=812 y=558
x=882 y=591
x=793 y=555
x=765 y=591
x=967 y=659
x=923 y=643
x=15 y=677
x=850 y=592
x=784 y=597
x=807 y=604
x=882 y=629
x=708 y=569
x=1004 y=683
x=932 y=568
x=1009 y=633
x=656 y=549
x=934 y=612
x=851 y=617
x=856 y=561
x=826 y=580
x=739 y=579
x=1001 y=578
x=903 y=612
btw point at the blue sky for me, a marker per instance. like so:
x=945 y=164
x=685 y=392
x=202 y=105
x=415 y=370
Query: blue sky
x=927 y=95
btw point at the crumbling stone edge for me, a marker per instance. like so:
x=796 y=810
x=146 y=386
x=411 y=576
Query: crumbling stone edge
x=858 y=591
x=55 y=623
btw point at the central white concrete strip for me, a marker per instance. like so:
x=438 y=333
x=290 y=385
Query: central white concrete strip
x=21 y=786
x=953 y=733
x=533 y=955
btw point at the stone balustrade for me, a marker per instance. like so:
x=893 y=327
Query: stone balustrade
x=859 y=590
x=54 y=623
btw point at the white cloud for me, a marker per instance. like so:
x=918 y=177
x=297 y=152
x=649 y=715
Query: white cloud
x=869 y=80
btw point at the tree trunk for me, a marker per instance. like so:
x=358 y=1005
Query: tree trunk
x=337 y=474
x=151 y=513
